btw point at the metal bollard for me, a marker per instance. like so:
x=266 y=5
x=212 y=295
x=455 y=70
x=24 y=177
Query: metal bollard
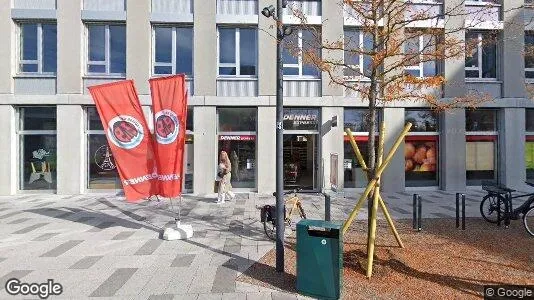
x=327 y=207
x=457 y=210
x=420 y=213
x=463 y=211
x=414 y=208
x=499 y=211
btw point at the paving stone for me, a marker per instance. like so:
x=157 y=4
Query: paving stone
x=5 y=216
x=183 y=260
x=149 y=247
x=113 y=283
x=30 y=228
x=59 y=250
x=224 y=281
x=123 y=235
x=86 y=262
x=19 y=274
x=18 y=221
x=161 y=297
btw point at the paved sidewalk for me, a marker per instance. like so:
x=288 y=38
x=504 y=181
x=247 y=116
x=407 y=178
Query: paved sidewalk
x=101 y=246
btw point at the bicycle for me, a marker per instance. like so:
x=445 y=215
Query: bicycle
x=268 y=213
x=497 y=206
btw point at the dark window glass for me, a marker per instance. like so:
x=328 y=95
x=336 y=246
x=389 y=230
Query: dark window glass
x=351 y=54
x=102 y=168
x=29 y=41
x=237 y=119
x=227 y=45
x=38 y=162
x=117 y=48
x=93 y=119
x=301 y=119
x=97 y=69
x=49 y=48
x=38 y=118
x=471 y=54
x=163 y=36
x=189 y=121
x=290 y=49
x=529 y=50
x=309 y=45
x=354 y=176
x=367 y=59
x=227 y=71
x=422 y=120
x=489 y=57
x=97 y=42
x=242 y=156
x=358 y=120
x=30 y=68
x=184 y=50
x=529 y=120
x=162 y=70
x=481 y=120
x=529 y=159
x=248 y=51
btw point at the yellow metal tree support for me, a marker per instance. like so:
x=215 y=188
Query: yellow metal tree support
x=374 y=188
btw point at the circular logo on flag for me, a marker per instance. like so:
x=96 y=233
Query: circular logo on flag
x=166 y=126
x=125 y=132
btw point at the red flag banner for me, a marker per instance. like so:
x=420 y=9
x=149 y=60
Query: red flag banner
x=169 y=104
x=128 y=137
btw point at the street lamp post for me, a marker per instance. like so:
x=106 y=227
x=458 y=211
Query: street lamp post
x=281 y=32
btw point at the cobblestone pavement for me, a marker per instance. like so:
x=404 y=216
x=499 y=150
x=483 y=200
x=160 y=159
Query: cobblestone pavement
x=97 y=245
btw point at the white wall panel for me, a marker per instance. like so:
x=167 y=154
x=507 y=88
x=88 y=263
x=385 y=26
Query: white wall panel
x=308 y=7
x=237 y=7
x=237 y=88
x=302 y=88
x=35 y=4
x=172 y=6
x=104 y=5
x=492 y=89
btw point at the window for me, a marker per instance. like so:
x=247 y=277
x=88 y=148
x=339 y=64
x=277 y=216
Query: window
x=106 y=49
x=38 y=48
x=188 y=153
x=529 y=144
x=421 y=160
x=481 y=55
x=37 y=141
x=238 y=51
x=355 y=43
x=297 y=44
x=356 y=120
x=481 y=145
x=237 y=137
x=529 y=54
x=173 y=50
x=415 y=48
x=102 y=171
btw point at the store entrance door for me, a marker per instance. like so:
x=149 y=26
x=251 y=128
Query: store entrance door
x=300 y=161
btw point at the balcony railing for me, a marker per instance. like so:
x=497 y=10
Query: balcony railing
x=299 y=87
x=237 y=87
x=172 y=6
x=237 y=7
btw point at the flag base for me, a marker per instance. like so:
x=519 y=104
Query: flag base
x=180 y=232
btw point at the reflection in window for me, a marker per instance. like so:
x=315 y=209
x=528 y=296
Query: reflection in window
x=355 y=43
x=238 y=51
x=237 y=119
x=299 y=43
x=422 y=120
x=481 y=145
x=38 y=48
x=481 y=55
x=481 y=120
x=415 y=47
x=173 y=53
x=106 y=49
x=529 y=144
x=37 y=140
x=529 y=54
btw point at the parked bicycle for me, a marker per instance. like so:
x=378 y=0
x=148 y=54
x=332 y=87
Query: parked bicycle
x=268 y=213
x=497 y=206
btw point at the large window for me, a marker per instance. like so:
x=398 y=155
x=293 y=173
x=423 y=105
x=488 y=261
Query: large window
x=421 y=148
x=481 y=55
x=529 y=54
x=173 y=50
x=299 y=43
x=38 y=48
x=237 y=136
x=415 y=48
x=37 y=144
x=189 y=148
x=355 y=42
x=106 y=49
x=358 y=122
x=101 y=168
x=529 y=144
x=238 y=49
x=481 y=145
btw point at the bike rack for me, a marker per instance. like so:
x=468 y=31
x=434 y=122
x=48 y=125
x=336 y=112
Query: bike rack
x=458 y=210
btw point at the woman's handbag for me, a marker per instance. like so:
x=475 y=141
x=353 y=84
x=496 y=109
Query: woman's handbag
x=216 y=186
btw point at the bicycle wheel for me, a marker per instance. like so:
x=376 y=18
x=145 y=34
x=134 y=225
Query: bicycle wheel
x=528 y=220
x=489 y=206
x=270 y=229
x=301 y=211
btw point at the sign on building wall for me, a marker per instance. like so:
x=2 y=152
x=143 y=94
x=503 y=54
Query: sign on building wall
x=333 y=171
x=301 y=119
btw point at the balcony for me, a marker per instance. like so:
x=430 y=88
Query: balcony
x=172 y=11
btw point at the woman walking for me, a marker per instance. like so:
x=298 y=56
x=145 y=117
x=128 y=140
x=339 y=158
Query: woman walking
x=224 y=175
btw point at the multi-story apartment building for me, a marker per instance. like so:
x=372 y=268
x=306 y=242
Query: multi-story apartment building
x=52 y=138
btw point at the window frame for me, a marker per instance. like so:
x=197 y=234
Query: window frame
x=107 y=51
x=531 y=33
x=480 y=67
x=299 y=64
x=420 y=66
x=174 y=52
x=493 y=136
x=237 y=63
x=39 y=61
x=360 y=66
x=529 y=138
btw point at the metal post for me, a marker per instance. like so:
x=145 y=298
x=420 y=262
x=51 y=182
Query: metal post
x=463 y=211
x=414 y=209
x=280 y=212
x=498 y=211
x=457 y=210
x=326 y=207
x=419 y=213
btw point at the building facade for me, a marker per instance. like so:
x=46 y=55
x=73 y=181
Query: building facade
x=52 y=139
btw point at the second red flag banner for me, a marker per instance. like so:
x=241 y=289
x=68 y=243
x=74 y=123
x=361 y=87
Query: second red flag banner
x=169 y=104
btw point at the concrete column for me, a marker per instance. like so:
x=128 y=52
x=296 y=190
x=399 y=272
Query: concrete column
x=69 y=51
x=266 y=52
x=332 y=143
x=205 y=141
x=205 y=48
x=332 y=31
x=8 y=151
x=511 y=148
x=266 y=150
x=513 y=42
x=70 y=149
x=393 y=177
x=454 y=68
x=7 y=56
x=452 y=157
x=138 y=44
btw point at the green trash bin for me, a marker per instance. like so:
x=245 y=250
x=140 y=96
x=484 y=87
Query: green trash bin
x=319 y=258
